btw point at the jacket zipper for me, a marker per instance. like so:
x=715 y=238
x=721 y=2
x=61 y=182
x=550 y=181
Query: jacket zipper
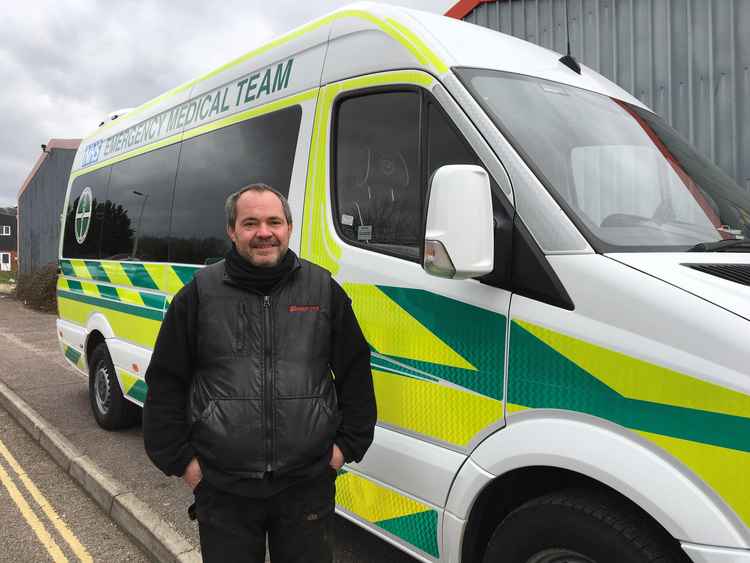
x=268 y=380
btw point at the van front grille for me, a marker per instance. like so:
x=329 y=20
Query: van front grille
x=737 y=273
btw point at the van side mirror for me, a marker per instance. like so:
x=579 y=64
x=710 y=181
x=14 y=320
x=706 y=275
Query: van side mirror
x=459 y=241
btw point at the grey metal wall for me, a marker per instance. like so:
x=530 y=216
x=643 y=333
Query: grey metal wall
x=39 y=209
x=688 y=60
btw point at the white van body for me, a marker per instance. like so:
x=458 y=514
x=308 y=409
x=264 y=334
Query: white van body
x=598 y=365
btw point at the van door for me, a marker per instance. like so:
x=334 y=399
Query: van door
x=438 y=346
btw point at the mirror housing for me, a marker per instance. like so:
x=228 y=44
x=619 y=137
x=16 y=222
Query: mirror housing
x=459 y=240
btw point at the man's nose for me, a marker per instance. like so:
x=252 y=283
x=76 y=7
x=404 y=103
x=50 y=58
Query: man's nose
x=264 y=230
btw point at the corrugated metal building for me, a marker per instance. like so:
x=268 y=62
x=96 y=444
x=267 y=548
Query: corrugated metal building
x=688 y=60
x=40 y=202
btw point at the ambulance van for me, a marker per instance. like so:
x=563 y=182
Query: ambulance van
x=553 y=283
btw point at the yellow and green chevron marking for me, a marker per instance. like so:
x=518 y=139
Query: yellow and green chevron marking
x=705 y=426
x=133 y=385
x=401 y=516
x=133 y=295
x=437 y=362
x=74 y=356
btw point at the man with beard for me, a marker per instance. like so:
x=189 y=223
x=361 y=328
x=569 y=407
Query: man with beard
x=259 y=390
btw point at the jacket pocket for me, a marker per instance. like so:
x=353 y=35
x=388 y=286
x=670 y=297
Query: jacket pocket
x=228 y=435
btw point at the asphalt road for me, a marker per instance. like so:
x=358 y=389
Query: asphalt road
x=32 y=365
x=44 y=513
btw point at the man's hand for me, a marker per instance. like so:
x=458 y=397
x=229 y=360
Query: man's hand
x=193 y=474
x=337 y=458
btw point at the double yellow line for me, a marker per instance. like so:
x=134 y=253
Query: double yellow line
x=30 y=516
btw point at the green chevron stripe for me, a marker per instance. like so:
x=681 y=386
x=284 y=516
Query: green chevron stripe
x=67 y=268
x=541 y=377
x=151 y=300
x=72 y=354
x=115 y=306
x=138 y=391
x=108 y=291
x=420 y=530
x=138 y=275
x=96 y=271
x=185 y=273
x=75 y=285
x=472 y=332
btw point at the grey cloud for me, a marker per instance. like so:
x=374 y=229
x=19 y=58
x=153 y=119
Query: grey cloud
x=66 y=65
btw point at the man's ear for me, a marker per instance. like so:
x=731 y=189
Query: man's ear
x=231 y=235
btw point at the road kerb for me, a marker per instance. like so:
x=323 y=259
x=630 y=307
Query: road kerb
x=133 y=516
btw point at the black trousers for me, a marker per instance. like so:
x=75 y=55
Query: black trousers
x=298 y=522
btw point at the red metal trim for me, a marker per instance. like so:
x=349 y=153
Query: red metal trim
x=462 y=8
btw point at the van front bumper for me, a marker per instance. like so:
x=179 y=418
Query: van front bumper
x=709 y=554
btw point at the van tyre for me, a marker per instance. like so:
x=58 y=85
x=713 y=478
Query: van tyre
x=111 y=409
x=580 y=526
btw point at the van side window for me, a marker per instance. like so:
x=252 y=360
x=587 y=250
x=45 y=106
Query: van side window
x=377 y=172
x=84 y=215
x=379 y=158
x=139 y=200
x=214 y=165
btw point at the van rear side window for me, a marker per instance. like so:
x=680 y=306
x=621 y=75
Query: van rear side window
x=214 y=165
x=85 y=213
x=139 y=200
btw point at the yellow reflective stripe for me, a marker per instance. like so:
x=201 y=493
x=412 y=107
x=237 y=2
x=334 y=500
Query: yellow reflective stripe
x=249 y=114
x=724 y=470
x=372 y=501
x=391 y=27
x=512 y=408
x=130 y=296
x=420 y=47
x=116 y=273
x=90 y=289
x=172 y=282
x=156 y=271
x=318 y=243
x=444 y=413
x=637 y=379
x=386 y=326
x=135 y=152
x=80 y=269
x=415 y=77
x=62 y=283
x=129 y=327
x=127 y=379
x=314 y=245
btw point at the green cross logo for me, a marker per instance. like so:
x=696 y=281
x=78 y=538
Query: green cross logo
x=83 y=215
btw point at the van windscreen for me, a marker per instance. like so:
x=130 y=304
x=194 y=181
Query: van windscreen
x=625 y=177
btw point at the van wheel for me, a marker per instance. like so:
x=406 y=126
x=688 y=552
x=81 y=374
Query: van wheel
x=111 y=410
x=580 y=526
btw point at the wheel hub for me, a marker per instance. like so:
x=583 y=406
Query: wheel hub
x=102 y=390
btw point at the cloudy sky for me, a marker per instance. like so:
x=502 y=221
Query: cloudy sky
x=65 y=64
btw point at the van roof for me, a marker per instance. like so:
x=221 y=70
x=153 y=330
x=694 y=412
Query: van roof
x=401 y=37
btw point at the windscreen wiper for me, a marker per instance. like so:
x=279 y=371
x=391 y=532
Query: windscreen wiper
x=729 y=245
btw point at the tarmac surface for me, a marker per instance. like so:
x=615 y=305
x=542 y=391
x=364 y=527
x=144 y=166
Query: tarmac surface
x=50 y=400
x=45 y=515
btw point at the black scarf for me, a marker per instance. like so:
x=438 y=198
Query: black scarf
x=257 y=278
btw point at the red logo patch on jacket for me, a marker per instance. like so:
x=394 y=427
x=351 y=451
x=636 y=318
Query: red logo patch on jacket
x=304 y=308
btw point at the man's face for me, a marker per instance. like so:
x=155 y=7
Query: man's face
x=260 y=232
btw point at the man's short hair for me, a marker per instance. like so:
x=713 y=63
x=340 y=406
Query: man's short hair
x=231 y=204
